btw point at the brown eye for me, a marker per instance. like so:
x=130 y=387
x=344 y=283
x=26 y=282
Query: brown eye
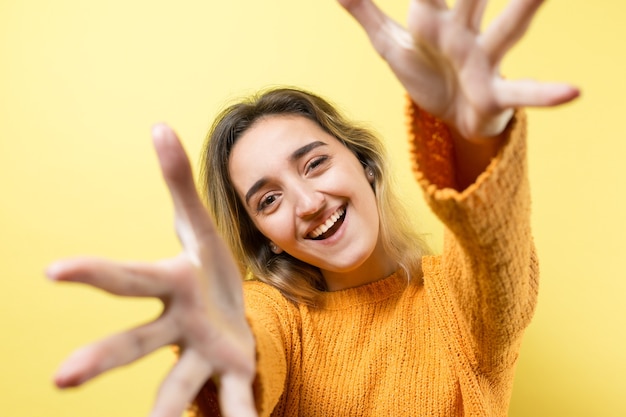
x=266 y=201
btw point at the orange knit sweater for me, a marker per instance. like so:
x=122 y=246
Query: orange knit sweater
x=442 y=346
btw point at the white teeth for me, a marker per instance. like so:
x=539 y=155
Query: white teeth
x=323 y=228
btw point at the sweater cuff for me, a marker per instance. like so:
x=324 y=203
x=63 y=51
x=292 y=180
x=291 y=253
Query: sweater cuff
x=431 y=148
x=432 y=151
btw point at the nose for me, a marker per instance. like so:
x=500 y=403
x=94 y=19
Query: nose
x=308 y=201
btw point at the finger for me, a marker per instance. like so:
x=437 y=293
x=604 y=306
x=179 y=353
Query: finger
x=470 y=13
x=508 y=28
x=439 y=4
x=114 y=351
x=192 y=221
x=195 y=228
x=528 y=93
x=424 y=20
x=127 y=279
x=181 y=385
x=235 y=396
x=382 y=31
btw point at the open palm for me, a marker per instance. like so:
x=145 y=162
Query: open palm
x=201 y=290
x=451 y=69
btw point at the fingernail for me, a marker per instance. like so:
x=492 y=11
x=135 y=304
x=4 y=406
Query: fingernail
x=53 y=270
x=159 y=130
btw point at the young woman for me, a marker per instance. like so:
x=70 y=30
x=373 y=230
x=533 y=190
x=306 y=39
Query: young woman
x=345 y=314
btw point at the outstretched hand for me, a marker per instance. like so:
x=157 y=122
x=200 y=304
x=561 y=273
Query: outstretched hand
x=203 y=311
x=451 y=69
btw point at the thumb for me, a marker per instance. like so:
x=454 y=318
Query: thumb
x=193 y=224
x=367 y=14
x=384 y=33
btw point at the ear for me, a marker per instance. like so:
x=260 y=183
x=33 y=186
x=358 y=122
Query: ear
x=274 y=248
x=369 y=174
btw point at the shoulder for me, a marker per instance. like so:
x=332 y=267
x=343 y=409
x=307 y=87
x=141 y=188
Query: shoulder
x=259 y=289
x=265 y=300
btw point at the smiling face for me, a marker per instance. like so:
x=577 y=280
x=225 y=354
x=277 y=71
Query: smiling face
x=310 y=196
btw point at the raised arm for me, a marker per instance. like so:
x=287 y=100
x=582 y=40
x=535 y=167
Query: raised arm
x=203 y=313
x=452 y=70
x=485 y=284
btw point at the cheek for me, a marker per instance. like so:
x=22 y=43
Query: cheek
x=369 y=200
x=277 y=227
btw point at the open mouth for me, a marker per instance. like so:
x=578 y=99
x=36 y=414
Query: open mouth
x=330 y=226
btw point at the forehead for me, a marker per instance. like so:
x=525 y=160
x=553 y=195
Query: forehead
x=272 y=139
x=285 y=130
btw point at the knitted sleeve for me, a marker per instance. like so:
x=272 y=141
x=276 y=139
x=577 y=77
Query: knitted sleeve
x=486 y=286
x=274 y=325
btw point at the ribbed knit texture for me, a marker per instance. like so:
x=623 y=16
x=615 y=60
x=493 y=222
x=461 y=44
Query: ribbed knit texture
x=444 y=346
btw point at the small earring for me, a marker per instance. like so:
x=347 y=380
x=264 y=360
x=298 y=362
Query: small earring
x=274 y=248
x=370 y=172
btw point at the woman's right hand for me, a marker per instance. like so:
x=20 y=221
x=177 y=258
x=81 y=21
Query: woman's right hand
x=201 y=290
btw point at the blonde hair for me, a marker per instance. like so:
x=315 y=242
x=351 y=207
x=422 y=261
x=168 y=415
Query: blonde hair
x=297 y=280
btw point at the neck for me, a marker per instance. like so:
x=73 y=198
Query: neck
x=378 y=265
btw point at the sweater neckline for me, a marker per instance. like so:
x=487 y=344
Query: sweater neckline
x=365 y=294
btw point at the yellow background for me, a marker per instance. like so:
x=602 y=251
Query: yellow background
x=81 y=82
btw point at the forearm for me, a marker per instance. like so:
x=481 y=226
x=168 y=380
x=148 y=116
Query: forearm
x=489 y=262
x=471 y=157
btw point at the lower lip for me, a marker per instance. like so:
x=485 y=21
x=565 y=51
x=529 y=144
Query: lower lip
x=338 y=233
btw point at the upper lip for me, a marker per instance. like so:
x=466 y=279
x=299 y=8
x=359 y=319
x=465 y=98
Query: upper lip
x=321 y=219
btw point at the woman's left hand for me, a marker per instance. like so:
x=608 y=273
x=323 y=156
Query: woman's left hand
x=451 y=69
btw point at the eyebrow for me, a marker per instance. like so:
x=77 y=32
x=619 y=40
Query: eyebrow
x=300 y=152
x=297 y=154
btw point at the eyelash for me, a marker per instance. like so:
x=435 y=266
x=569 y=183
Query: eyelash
x=263 y=203
x=316 y=162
